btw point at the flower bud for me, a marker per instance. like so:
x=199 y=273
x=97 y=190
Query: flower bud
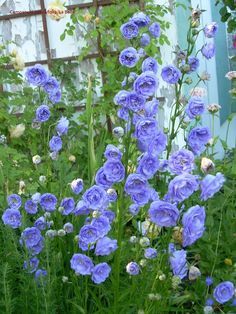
x=177 y=235
x=64 y=279
x=205 y=76
x=162 y=277
x=87 y=17
x=36 y=198
x=213 y=108
x=17 y=131
x=97 y=20
x=36 y=159
x=96 y=214
x=207 y=165
x=56 y=10
x=68 y=227
x=21 y=187
x=188 y=80
x=72 y=158
x=231 y=75
x=3 y=139
x=144 y=242
x=53 y=155
x=61 y=233
x=208 y=309
x=51 y=233
x=133 y=239
x=60 y=209
x=143 y=262
x=228 y=261
x=194 y=273
x=175 y=282
x=118 y=132
x=42 y=179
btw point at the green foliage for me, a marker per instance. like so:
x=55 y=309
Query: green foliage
x=227 y=6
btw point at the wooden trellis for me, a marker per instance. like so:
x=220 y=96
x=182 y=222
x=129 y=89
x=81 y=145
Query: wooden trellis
x=42 y=10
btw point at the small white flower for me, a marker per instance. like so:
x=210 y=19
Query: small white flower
x=17 y=131
x=231 y=75
x=42 y=179
x=207 y=165
x=36 y=159
x=208 y=310
x=194 y=273
x=133 y=239
x=144 y=242
x=61 y=233
x=64 y=279
x=72 y=158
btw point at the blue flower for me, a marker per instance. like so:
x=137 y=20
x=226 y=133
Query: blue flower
x=114 y=170
x=95 y=197
x=41 y=223
x=145 y=130
x=208 y=50
x=31 y=237
x=197 y=139
x=81 y=209
x=150 y=253
x=209 y=302
x=135 y=183
x=129 y=57
x=81 y=264
x=150 y=64
x=31 y=207
x=141 y=198
x=88 y=235
x=55 y=97
x=68 y=227
x=102 y=224
x=132 y=268
x=193 y=224
x=112 y=152
x=68 y=205
x=195 y=107
x=211 y=185
x=155 y=29
x=134 y=209
x=105 y=246
x=136 y=102
x=148 y=165
x=146 y=84
x=151 y=108
x=14 y=201
x=209 y=281
x=163 y=214
x=145 y=40
x=42 y=113
x=170 y=74
x=158 y=143
x=55 y=144
x=48 y=202
x=31 y=265
x=62 y=126
x=181 y=161
x=122 y=98
x=12 y=217
x=193 y=63
x=77 y=186
x=40 y=275
x=51 y=86
x=210 y=30
x=102 y=180
x=223 y=292
x=36 y=75
x=100 y=273
x=129 y=30
x=178 y=263
x=140 y=19
x=182 y=187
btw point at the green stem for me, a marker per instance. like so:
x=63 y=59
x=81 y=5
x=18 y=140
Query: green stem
x=91 y=151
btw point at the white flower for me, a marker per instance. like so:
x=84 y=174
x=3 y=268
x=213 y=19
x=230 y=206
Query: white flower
x=194 y=273
x=61 y=233
x=42 y=179
x=144 y=242
x=72 y=158
x=231 y=75
x=17 y=131
x=56 y=10
x=36 y=159
x=133 y=239
x=213 y=108
x=206 y=165
x=208 y=310
x=21 y=187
